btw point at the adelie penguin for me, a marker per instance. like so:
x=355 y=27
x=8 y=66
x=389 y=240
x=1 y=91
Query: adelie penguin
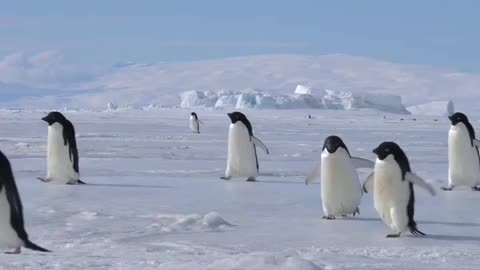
x=341 y=190
x=12 y=227
x=463 y=157
x=195 y=123
x=62 y=152
x=242 y=153
x=393 y=195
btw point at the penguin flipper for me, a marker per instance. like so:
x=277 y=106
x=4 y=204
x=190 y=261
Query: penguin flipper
x=314 y=174
x=362 y=163
x=417 y=180
x=476 y=142
x=259 y=143
x=45 y=180
x=368 y=184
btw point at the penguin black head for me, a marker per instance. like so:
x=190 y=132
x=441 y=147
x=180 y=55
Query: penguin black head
x=194 y=115
x=54 y=117
x=386 y=149
x=332 y=143
x=238 y=116
x=458 y=117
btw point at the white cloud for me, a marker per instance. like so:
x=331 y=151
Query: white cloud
x=42 y=69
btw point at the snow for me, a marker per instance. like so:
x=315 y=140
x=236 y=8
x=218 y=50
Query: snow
x=45 y=81
x=303 y=90
x=434 y=108
x=155 y=200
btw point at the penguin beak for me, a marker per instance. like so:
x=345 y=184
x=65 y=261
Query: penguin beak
x=375 y=151
x=45 y=119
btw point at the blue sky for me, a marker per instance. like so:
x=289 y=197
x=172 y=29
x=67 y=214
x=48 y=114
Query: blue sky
x=438 y=33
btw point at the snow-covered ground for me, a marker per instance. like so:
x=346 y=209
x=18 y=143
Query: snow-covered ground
x=155 y=200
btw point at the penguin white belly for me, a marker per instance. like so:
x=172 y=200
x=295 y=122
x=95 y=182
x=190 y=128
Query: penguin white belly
x=193 y=124
x=59 y=165
x=391 y=194
x=8 y=236
x=463 y=162
x=241 y=153
x=341 y=189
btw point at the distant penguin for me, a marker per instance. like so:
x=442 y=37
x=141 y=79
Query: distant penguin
x=463 y=157
x=242 y=154
x=340 y=187
x=12 y=228
x=194 y=123
x=392 y=182
x=62 y=152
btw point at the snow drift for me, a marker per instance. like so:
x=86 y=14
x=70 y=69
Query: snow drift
x=303 y=98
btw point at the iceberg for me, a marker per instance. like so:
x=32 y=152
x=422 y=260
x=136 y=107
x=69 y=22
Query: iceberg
x=303 y=98
x=434 y=108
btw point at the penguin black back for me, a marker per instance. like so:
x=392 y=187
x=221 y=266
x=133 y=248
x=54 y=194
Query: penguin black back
x=7 y=183
x=238 y=116
x=459 y=117
x=391 y=148
x=68 y=135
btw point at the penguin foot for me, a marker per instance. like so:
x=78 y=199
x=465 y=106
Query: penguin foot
x=328 y=217
x=357 y=211
x=393 y=235
x=251 y=179
x=16 y=251
x=447 y=188
x=226 y=177
x=476 y=188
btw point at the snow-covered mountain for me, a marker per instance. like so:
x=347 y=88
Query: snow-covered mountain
x=162 y=83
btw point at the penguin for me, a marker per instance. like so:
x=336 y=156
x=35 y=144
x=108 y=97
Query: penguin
x=242 y=153
x=195 y=123
x=62 y=152
x=463 y=157
x=12 y=228
x=340 y=187
x=392 y=182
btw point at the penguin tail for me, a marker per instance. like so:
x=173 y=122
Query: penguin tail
x=81 y=182
x=415 y=231
x=33 y=246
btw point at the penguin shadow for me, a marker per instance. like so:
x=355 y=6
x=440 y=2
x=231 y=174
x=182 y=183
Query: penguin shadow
x=440 y=237
x=122 y=185
x=420 y=222
x=279 y=182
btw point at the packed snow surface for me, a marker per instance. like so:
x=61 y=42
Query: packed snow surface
x=154 y=199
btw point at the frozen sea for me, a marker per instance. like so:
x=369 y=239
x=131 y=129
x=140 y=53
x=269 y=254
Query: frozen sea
x=154 y=199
